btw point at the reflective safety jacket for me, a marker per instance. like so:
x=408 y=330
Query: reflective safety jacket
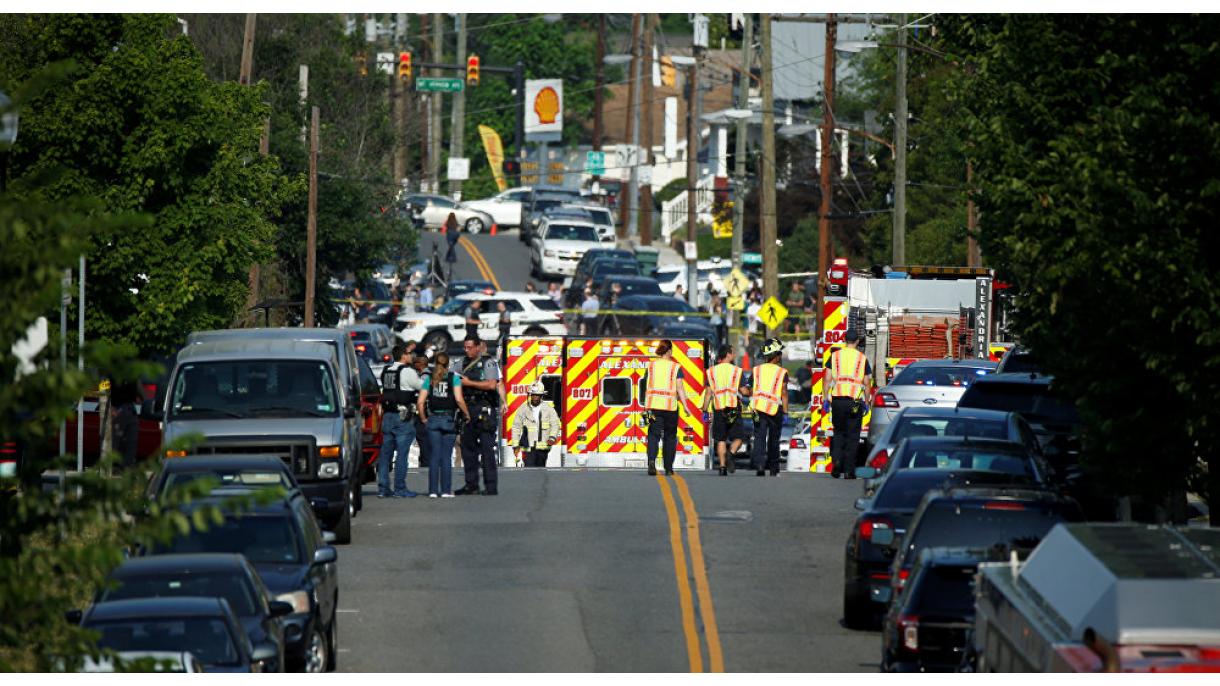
x=770 y=383
x=662 y=385
x=537 y=433
x=847 y=367
x=726 y=380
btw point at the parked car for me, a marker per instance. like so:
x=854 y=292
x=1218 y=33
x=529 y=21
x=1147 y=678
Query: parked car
x=532 y=314
x=600 y=217
x=207 y=575
x=505 y=208
x=867 y=585
x=387 y=274
x=628 y=285
x=541 y=198
x=672 y=315
x=374 y=343
x=284 y=543
x=1054 y=419
x=954 y=452
x=926 y=383
x=145 y=661
x=927 y=628
x=247 y=471
x=283 y=397
x=574 y=287
x=375 y=302
x=559 y=245
x=203 y=627
x=435 y=210
x=1019 y=360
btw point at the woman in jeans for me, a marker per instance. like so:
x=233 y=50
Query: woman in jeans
x=440 y=401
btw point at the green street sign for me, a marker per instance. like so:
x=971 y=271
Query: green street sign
x=438 y=84
x=595 y=163
x=751 y=258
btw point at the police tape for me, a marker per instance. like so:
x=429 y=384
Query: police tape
x=578 y=311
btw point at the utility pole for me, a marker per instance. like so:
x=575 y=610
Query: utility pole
x=900 y=149
x=646 y=115
x=767 y=231
x=739 y=155
x=424 y=107
x=973 y=257
x=600 y=81
x=244 y=77
x=827 y=169
x=438 y=51
x=311 y=224
x=692 y=178
x=458 y=129
x=303 y=85
x=628 y=220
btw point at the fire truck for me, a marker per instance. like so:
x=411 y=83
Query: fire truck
x=597 y=386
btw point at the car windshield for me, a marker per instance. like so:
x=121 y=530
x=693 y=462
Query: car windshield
x=978 y=460
x=262 y=539
x=571 y=232
x=1032 y=400
x=606 y=267
x=948 y=524
x=248 y=388
x=640 y=288
x=543 y=204
x=206 y=638
x=232 y=587
x=1021 y=362
x=668 y=305
x=601 y=217
x=904 y=491
x=959 y=376
x=909 y=427
x=455 y=306
x=229 y=478
x=365 y=350
x=945 y=589
x=459 y=287
x=544 y=304
x=667 y=276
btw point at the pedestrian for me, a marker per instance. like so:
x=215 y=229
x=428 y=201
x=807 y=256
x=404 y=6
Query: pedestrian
x=680 y=292
x=717 y=319
x=425 y=297
x=588 y=313
x=440 y=403
x=125 y=403
x=473 y=310
x=555 y=293
x=770 y=403
x=483 y=393
x=804 y=378
x=796 y=306
x=530 y=287
x=663 y=381
x=400 y=386
x=506 y=324
x=536 y=427
x=752 y=311
x=847 y=383
x=452 y=233
x=724 y=403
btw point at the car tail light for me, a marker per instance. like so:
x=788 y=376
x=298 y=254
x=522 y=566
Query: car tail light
x=360 y=347
x=868 y=526
x=885 y=400
x=880 y=460
x=901 y=579
x=1003 y=505
x=796 y=444
x=908 y=628
x=385 y=358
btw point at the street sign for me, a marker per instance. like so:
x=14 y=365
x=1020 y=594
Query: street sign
x=543 y=110
x=736 y=302
x=627 y=156
x=438 y=84
x=737 y=284
x=773 y=313
x=595 y=163
x=386 y=62
x=459 y=168
x=751 y=258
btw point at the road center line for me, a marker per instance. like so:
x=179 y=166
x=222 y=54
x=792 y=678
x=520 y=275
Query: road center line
x=715 y=654
x=481 y=262
x=693 y=651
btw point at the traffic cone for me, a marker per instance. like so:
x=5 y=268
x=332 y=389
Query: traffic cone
x=745 y=359
x=443 y=227
x=493 y=229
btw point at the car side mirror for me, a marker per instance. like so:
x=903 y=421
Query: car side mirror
x=280 y=608
x=861 y=503
x=329 y=537
x=325 y=555
x=884 y=537
x=74 y=616
x=264 y=652
x=349 y=412
x=866 y=472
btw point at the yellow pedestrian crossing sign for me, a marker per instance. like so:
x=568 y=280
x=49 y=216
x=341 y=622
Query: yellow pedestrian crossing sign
x=773 y=313
x=736 y=302
x=737 y=284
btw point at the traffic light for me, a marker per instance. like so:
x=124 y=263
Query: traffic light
x=512 y=168
x=472 y=70
x=362 y=63
x=404 y=67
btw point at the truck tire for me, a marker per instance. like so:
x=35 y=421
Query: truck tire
x=343 y=530
x=535 y=331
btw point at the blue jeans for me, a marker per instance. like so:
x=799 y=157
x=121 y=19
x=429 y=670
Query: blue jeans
x=441 y=437
x=767 y=428
x=421 y=434
x=396 y=436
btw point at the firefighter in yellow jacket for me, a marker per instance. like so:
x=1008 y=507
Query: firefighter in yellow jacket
x=844 y=390
x=536 y=427
x=665 y=391
x=770 y=403
x=725 y=405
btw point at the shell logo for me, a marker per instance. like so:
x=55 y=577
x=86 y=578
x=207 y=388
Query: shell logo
x=546 y=105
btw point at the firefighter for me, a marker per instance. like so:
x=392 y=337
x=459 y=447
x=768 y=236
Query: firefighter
x=536 y=427
x=725 y=406
x=665 y=390
x=770 y=403
x=482 y=390
x=848 y=379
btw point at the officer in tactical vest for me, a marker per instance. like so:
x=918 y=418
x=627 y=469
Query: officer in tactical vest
x=399 y=390
x=770 y=403
x=482 y=390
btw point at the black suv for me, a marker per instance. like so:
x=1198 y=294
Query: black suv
x=575 y=294
x=927 y=627
x=285 y=544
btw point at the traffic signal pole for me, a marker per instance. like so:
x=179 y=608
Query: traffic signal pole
x=458 y=128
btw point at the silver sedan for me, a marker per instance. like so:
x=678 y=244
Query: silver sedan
x=925 y=383
x=435 y=209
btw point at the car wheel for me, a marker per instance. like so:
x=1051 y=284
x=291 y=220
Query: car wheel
x=358 y=498
x=317 y=651
x=332 y=638
x=439 y=340
x=474 y=225
x=343 y=530
x=535 y=331
x=857 y=611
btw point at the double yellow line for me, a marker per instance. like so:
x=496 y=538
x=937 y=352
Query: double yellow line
x=480 y=262
x=683 y=573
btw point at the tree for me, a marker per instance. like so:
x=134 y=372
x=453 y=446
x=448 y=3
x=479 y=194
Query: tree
x=1098 y=176
x=141 y=128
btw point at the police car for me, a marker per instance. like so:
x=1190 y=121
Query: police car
x=532 y=314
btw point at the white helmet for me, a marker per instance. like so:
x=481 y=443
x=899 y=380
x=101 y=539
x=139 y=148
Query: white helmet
x=537 y=388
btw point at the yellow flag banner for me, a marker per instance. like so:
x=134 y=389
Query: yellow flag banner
x=495 y=154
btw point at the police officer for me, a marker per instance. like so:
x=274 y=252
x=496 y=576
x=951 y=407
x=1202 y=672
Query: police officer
x=421 y=363
x=848 y=379
x=481 y=387
x=724 y=403
x=665 y=390
x=770 y=403
x=400 y=386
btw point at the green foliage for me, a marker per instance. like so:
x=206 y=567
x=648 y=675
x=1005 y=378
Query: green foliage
x=141 y=128
x=1098 y=167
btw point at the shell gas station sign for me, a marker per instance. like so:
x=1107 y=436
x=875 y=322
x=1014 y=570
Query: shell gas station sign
x=543 y=110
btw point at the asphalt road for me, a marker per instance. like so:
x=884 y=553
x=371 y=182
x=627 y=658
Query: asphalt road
x=572 y=570
x=505 y=257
